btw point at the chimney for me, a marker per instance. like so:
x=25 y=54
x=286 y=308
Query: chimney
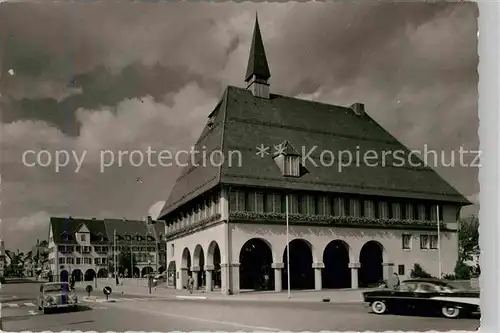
x=358 y=108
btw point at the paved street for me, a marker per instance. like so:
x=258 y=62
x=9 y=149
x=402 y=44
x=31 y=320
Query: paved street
x=141 y=313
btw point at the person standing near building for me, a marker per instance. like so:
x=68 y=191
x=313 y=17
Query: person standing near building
x=393 y=281
x=190 y=284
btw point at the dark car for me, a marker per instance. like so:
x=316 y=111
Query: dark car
x=424 y=295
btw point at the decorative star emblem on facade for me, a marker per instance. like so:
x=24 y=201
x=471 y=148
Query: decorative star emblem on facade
x=262 y=150
x=279 y=149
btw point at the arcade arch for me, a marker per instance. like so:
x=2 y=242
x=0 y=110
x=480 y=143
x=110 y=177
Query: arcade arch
x=64 y=276
x=256 y=259
x=336 y=273
x=89 y=274
x=199 y=263
x=77 y=275
x=146 y=270
x=371 y=258
x=102 y=273
x=213 y=259
x=301 y=260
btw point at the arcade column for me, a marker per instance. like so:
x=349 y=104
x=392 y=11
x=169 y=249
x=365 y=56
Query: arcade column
x=235 y=277
x=388 y=269
x=183 y=278
x=278 y=267
x=354 y=266
x=209 y=277
x=317 y=266
x=196 y=273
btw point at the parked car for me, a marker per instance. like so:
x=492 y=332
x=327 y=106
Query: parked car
x=56 y=295
x=424 y=295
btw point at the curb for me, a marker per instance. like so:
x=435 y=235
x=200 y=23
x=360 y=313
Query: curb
x=233 y=298
x=191 y=297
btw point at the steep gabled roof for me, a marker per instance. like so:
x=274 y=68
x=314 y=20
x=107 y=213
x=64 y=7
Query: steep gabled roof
x=130 y=228
x=70 y=225
x=243 y=122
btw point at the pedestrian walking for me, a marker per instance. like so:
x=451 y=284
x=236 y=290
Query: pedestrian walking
x=393 y=281
x=190 y=284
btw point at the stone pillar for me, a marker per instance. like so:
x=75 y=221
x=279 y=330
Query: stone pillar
x=208 y=278
x=196 y=273
x=225 y=286
x=183 y=277
x=354 y=266
x=317 y=266
x=388 y=269
x=278 y=267
x=235 y=277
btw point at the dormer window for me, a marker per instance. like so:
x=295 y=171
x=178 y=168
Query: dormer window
x=128 y=238
x=292 y=166
x=83 y=237
x=287 y=159
x=65 y=236
x=138 y=238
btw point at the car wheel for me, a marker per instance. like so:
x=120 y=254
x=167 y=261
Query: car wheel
x=379 y=307
x=450 y=311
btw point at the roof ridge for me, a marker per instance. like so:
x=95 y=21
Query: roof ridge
x=223 y=129
x=298 y=99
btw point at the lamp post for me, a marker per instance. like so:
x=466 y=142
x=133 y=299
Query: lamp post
x=287 y=251
x=150 y=278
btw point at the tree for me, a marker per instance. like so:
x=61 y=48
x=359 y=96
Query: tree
x=126 y=262
x=419 y=272
x=468 y=239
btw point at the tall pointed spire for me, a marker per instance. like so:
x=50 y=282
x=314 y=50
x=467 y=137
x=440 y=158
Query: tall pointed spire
x=258 y=73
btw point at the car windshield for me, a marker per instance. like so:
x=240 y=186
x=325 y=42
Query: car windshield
x=55 y=287
x=445 y=288
x=407 y=286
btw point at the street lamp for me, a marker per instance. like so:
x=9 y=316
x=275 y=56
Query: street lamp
x=150 y=277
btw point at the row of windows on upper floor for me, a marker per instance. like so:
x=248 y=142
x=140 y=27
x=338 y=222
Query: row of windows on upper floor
x=99 y=249
x=98 y=261
x=310 y=204
x=426 y=242
x=205 y=208
x=83 y=238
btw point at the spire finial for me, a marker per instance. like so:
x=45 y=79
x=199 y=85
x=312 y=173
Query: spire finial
x=257 y=61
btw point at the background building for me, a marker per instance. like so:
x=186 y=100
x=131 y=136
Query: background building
x=85 y=248
x=349 y=227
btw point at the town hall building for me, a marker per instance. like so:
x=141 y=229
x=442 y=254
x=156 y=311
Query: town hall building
x=349 y=227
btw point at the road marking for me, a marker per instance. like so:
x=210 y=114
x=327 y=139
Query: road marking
x=229 y=323
x=12 y=305
x=191 y=297
x=33 y=313
x=29 y=304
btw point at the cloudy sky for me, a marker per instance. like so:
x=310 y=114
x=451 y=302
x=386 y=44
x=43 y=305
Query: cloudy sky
x=94 y=77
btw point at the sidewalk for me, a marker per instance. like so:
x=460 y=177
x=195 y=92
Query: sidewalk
x=328 y=295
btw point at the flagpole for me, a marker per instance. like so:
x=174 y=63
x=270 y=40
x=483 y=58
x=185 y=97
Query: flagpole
x=287 y=250
x=115 y=254
x=131 y=260
x=439 y=241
